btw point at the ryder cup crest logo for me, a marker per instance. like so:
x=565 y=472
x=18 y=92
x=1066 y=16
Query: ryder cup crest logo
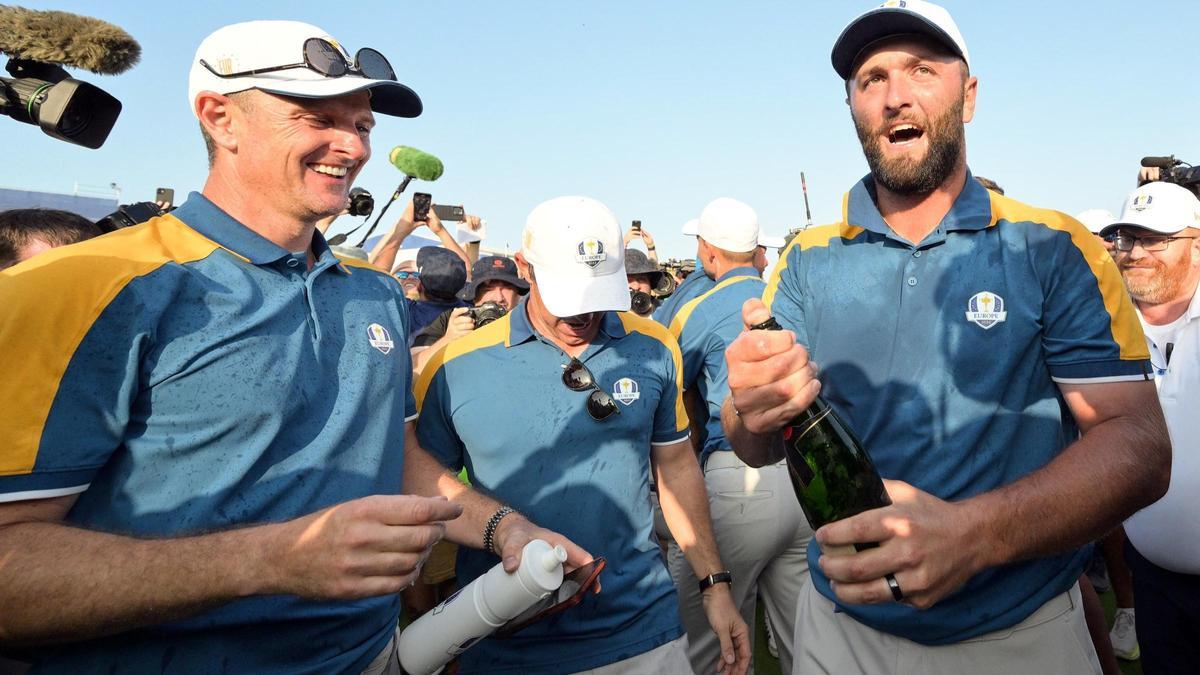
x=986 y=309
x=893 y=4
x=378 y=337
x=626 y=391
x=1141 y=202
x=591 y=252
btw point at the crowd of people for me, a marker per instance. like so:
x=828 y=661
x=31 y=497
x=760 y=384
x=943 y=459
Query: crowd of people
x=236 y=448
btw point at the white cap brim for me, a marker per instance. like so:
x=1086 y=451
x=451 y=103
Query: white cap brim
x=569 y=295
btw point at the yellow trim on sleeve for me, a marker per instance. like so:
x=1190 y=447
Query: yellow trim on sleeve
x=51 y=302
x=813 y=237
x=1123 y=320
x=637 y=324
x=690 y=306
x=494 y=333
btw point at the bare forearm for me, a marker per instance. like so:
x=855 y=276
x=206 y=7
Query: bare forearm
x=424 y=475
x=383 y=254
x=754 y=449
x=684 y=501
x=1118 y=467
x=73 y=584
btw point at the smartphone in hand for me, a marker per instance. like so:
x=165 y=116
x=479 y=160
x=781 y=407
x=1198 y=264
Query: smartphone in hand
x=575 y=587
x=421 y=204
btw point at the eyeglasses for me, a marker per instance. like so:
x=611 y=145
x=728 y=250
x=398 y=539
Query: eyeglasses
x=323 y=57
x=599 y=405
x=1125 y=242
x=407 y=275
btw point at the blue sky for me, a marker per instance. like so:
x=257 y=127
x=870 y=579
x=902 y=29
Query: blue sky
x=657 y=108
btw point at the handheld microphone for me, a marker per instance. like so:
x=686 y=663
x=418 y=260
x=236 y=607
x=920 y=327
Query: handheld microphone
x=413 y=163
x=416 y=164
x=66 y=39
x=1159 y=162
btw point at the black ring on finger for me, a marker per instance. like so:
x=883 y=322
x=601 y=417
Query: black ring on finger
x=897 y=594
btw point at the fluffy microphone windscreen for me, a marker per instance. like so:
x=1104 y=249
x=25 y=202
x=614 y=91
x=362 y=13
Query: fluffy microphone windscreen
x=67 y=39
x=413 y=162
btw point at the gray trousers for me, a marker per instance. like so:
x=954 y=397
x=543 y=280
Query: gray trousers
x=1054 y=639
x=762 y=536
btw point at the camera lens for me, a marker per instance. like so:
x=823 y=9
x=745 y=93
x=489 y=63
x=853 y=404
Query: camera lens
x=641 y=303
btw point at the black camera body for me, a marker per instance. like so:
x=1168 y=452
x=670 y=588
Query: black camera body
x=1175 y=171
x=486 y=313
x=129 y=215
x=641 y=302
x=42 y=94
x=361 y=202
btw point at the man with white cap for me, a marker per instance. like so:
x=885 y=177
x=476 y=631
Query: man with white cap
x=208 y=412
x=966 y=339
x=759 y=525
x=1156 y=243
x=690 y=288
x=562 y=408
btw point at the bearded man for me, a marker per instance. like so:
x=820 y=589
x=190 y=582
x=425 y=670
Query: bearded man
x=967 y=339
x=1156 y=243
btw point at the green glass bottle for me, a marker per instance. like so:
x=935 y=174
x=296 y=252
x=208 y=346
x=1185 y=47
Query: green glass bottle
x=831 y=472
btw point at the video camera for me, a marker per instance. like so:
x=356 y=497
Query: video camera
x=361 y=202
x=129 y=215
x=1175 y=171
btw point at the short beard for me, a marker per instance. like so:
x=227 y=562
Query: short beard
x=1164 y=286
x=904 y=177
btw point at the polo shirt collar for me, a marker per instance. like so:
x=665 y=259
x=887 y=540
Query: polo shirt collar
x=739 y=272
x=205 y=217
x=521 y=330
x=972 y=210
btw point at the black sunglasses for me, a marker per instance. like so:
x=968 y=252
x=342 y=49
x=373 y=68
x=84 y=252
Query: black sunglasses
x=322 y=56
x=599 y=405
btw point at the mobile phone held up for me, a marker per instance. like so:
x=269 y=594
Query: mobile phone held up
x=449 y=212
x=421 y=204
x=165 y=195
x=637 y=226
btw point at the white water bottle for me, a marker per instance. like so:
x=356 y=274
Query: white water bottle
x=478 y=610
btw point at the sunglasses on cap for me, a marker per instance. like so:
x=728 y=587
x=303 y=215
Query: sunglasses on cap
x=322 y=56
x=599 y=404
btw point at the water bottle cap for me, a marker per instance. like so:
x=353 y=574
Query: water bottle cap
x=554 y=558
x=541 y=566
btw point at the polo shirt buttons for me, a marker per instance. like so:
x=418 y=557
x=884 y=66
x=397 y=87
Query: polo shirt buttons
x=916 y=254
x=912 y=281
x=292 y=262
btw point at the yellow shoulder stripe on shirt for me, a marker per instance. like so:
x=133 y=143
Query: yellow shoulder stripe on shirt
x=813 y=237
x=51 y=302
x=494 y=333
x=637 y=324
x=1123 y=319
x=690 y=306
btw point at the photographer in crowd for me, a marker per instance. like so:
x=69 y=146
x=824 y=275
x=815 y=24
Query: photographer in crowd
x=440 y=275
x=1156 y=244
x=494 y=289
x=25 y=233
x=644 y=278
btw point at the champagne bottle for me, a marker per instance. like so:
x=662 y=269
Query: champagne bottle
x=831 y=472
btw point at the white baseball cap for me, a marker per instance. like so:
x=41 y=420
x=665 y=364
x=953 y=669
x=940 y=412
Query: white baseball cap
x=692 y=227
x=729 y=225
x=574 y=245
x=893 y=18
x=258 y=45
x=1096 y=220
x=1165 y=208
x=771 y=242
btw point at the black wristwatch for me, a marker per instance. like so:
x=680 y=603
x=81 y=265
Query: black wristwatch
x=711 y=580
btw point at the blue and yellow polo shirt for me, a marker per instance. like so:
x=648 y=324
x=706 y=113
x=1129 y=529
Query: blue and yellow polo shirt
x=704 y=327
x=494 y=402
x=696 y=284
x=945 y=356
x=186 y=376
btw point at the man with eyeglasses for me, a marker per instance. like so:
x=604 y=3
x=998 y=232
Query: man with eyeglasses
x=561 y=409
x=209 y=417
x=1156 y=244
x=966 y=338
